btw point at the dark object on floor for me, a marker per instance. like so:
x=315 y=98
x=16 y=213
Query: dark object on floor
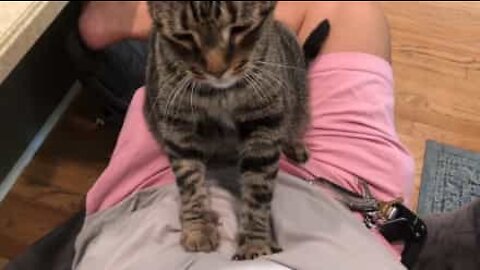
x=453 y=241
x=450 y=179
x=54 y=251
x=449 y=203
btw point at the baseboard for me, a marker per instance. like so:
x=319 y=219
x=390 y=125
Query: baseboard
x=37 y=141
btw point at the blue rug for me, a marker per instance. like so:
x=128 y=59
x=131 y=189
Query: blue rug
x=450 y=178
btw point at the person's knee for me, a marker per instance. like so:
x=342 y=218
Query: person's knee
x=91 y=31
x=355 y=27
x=99 y=29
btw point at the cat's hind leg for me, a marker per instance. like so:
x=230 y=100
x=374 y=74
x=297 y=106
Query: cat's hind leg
x=296 y=151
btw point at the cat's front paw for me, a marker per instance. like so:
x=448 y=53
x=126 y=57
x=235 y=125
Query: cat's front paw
x=202 y=237
x=254 y=249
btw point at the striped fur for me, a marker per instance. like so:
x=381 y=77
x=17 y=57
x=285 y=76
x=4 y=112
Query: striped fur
x=225 y=79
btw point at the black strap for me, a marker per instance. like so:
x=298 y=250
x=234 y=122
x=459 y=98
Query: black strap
x=405 y=226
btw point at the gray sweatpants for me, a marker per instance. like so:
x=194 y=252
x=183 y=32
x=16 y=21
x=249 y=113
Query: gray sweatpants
x=315 y=232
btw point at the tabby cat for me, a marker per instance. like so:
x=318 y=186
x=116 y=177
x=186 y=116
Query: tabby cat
x=225 y=81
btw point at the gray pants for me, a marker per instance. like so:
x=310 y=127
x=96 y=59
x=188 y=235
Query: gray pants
x=316 y=232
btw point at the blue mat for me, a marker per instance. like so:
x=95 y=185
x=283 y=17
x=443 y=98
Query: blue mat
x=450 y=178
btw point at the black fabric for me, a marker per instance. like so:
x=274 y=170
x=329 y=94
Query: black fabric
x=453 y=242
x=54 y=251
x=113 y=74
x=314 y=42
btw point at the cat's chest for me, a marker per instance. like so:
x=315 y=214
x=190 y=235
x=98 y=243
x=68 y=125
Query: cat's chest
x=222 y=110
x=218 y=132
x=221 y=115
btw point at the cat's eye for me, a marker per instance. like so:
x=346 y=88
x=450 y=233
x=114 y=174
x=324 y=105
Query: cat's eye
x=240 y=65
x=184 y=37
x=196 y=71
x=239 y=29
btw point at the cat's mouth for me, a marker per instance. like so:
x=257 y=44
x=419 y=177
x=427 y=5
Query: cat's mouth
x=223 y=79
x=222 y=83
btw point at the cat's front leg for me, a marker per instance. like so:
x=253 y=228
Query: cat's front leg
x=199 y=222
x=259 y=157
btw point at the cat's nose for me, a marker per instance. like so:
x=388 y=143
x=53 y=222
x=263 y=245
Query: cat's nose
x=215 y=63
x=218 y=73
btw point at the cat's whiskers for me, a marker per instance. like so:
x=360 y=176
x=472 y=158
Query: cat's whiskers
x=279 y=65
x=248 y=78
x=192 y=91
x=165 y=83
x=272 y=77
x=253 y=77
x=172 y=96
x=183 y=89
x=169 y=98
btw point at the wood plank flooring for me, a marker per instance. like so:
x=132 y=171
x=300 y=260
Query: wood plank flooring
x=53 y=186
x=436 y=60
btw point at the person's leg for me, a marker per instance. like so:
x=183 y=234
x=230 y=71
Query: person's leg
x=355 y=27
x=453 y=240
x=109 y=53
x=103 y=23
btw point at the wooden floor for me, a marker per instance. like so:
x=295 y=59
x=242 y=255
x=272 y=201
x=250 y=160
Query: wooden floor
x=436 y=59
x=52 y=187
x=3 y=262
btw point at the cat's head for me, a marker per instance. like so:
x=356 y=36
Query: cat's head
x=213 y=40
